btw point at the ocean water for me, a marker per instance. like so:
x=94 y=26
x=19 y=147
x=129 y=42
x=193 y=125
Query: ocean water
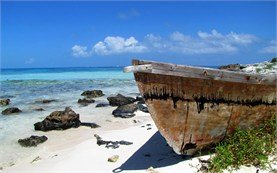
x=24 y=87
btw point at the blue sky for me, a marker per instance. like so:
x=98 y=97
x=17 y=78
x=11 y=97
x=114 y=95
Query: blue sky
x=78 y=34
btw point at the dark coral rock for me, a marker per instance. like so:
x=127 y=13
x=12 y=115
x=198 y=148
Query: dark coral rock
x=120 y=100
x=273 y=60
x=93 y=93
x=11 y=110
x=232 y=67
x=125 y=111
x=143 y=108
x=85 y=101
x=140 y=100
x=45 y=101
x=91 y=125
x=39 y=109
x=111 y=144
x=102 y=105
x=5 y=102
x=32 y=141
x=59 y=120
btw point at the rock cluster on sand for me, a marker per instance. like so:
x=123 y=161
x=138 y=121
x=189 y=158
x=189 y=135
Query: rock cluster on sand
x=92 y=93
x=126 y=105
x=85 y=101
x=61 y=120
x=5 y=102
x=11 y=110
x=32 y=141
x=120 y=100
x=125 y=111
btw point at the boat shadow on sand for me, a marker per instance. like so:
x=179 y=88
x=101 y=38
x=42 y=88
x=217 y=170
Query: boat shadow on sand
x=154 y=153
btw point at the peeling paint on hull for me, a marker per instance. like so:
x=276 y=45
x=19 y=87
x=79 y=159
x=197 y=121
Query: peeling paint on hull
x=192 y=113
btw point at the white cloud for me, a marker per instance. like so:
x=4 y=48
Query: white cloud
x=205 y=42
x=80 y=51
x=212 y=42
x=30 y=61
x=178 y=36
x=154 y=42
x=117 y=45
x=272 y=48
x=128 y=14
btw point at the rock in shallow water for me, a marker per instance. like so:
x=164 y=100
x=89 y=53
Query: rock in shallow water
x=11 y=110
x=59 y=120
x=4 y=102
x=93 y=93
x=102 y=105
x=125 y=111
x=85 y=101
x=45 y=101
x=32 y=141
x=38 y=109
x=120 y=100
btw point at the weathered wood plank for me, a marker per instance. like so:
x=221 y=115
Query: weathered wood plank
x=136 y=68
x=203 y=73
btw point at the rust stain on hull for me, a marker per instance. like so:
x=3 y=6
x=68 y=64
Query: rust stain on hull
x=192 y=113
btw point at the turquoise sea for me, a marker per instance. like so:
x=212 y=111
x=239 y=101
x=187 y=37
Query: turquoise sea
x=24 y=87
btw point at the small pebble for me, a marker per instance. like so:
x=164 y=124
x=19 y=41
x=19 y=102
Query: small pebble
x=148 y=124
x=149 y=128
x=113 y=158
x=151 y=170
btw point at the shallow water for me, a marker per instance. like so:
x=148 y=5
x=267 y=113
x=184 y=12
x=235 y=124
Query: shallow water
x=26 y=86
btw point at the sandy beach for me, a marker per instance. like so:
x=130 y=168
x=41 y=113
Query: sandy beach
x=80 y=152
x=149 y=149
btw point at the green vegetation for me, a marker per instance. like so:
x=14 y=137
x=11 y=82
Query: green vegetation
x=269 y=66
x=258 y=70
x=274 y=60
x=245 y=147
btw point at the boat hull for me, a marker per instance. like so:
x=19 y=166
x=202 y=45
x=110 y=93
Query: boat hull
x=192 y=113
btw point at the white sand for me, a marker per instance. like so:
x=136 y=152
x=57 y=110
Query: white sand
x=80 y=153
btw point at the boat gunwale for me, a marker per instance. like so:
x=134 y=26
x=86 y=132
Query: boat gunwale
x=200 y=72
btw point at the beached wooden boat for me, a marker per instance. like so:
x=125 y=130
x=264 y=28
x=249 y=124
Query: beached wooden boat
x=194 y=107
